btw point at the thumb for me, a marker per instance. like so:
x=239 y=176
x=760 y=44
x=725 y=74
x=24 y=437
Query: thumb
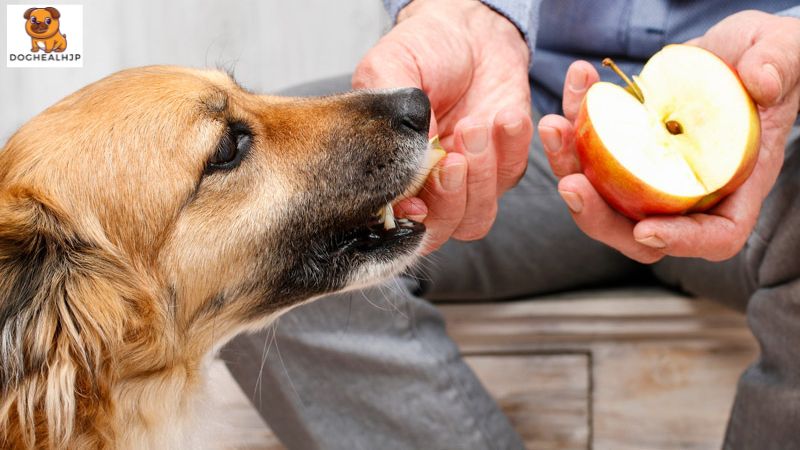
x=390 y=65
x=387 y=65
x=770 y=69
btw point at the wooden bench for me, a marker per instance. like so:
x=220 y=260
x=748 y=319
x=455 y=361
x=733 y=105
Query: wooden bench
x=616 y=370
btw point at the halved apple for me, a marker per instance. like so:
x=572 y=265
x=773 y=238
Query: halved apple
x=691 y=140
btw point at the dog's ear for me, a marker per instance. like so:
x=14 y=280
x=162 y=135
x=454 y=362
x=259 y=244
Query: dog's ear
x=27 y=14
x=60 y=309
x=53 y=12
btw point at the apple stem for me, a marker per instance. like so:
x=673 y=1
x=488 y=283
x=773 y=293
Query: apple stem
x=608 y=62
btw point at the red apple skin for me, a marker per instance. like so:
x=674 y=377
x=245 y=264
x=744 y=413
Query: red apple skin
x=629 y=195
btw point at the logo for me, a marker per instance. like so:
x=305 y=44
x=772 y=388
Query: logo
x=44 y=36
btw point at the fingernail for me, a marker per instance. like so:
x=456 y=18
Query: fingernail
x=452 y=177
x=578 y=82
x=574 y=201
x=513 y=129
x=476 y=139
x=652 y=241
x=772 y=72
x=551 y=138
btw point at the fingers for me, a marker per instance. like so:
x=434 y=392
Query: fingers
x=580 y=76
x=445 y=195
x=461 y=200
x=558 y=140
x=710 y=237
x=770 y=68
x=472 y=140
x=512 y=133
x=716 y=236
x=595 y=218
x=558 y=133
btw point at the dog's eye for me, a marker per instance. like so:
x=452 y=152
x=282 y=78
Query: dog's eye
x=33 y=19
x=47 y=21
x=231 y=149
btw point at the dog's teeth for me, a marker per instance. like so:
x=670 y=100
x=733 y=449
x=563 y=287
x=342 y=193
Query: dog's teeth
x=388 y=217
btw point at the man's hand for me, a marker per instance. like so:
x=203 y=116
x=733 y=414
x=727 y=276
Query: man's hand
x=473 y=64
x=765 y=50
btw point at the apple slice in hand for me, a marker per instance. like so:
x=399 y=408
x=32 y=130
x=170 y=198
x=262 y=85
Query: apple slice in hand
x=684 y=134
x=433 y=155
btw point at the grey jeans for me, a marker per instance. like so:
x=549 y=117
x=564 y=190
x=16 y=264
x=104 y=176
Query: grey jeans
x=375 y=369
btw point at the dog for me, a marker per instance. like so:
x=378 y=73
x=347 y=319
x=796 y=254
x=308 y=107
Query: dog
x=43 y=27
x=149 y=217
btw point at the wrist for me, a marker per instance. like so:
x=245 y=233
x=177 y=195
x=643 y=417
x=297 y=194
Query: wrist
x=472 y=17
x=438 y=7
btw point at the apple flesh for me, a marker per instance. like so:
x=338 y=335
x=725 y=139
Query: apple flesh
x=434 y=154
x=692 y=140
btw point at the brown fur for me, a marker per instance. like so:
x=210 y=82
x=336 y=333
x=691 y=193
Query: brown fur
x=124 y=262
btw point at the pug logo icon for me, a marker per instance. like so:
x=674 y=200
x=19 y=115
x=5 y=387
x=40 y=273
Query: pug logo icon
x=42 y=25
x=42 y=42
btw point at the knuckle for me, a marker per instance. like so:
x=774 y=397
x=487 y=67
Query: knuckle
x=441 y=221
x=511 y=174
x=471 y=234
x=728 y=252
x=474 y=229
x=366 y=71
x=480 y=177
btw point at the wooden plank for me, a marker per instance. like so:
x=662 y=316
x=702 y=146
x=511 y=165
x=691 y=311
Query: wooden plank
x=583 y=321
x=655 y=397
x=664 y=367
x=546 y=397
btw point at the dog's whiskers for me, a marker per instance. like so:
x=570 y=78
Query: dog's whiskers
x=269 y=338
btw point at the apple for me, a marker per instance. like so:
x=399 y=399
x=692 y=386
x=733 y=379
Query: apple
x=434 y=154
x=683 y=135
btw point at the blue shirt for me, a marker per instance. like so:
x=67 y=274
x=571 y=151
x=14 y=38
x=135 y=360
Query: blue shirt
x=630 y=31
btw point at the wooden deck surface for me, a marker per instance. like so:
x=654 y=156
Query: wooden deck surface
x=608 y=370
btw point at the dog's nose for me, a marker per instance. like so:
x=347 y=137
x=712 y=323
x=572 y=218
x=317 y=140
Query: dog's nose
x=412 y=109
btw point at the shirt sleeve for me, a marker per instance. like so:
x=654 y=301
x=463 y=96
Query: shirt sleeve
x=791 y=12
x=522 y=13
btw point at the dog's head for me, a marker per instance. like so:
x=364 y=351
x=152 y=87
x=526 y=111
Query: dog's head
x=165 y=207
x=42 y=23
